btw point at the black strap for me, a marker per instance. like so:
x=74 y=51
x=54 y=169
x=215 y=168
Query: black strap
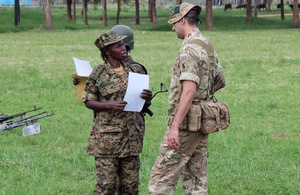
x=134 y=63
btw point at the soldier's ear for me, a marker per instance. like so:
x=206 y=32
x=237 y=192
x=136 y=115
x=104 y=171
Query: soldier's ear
x=183 y=20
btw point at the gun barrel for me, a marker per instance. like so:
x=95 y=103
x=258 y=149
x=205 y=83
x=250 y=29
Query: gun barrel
x=8 y=117
x=14 y=124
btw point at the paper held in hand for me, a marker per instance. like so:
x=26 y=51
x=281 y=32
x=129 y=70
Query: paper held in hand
x=83 y=70
x=136 y=84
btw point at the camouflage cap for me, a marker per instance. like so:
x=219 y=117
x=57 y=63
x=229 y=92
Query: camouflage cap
x=181 y=10
x=107 y=38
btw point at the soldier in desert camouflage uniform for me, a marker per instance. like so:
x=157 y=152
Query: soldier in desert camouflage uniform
x=183 y=152
x=117 y=136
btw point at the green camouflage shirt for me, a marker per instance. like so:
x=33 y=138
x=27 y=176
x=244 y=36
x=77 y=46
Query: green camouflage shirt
x=190 y=65
x=114 y=133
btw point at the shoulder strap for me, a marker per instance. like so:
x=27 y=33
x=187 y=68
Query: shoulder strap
x=96 y=72
x=211 y=54
x=133 y=64
x=207 y=47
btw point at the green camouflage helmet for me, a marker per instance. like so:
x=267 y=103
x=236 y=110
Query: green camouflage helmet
x=123 y=30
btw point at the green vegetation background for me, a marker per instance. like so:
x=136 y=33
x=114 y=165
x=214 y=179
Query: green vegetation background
x=258 y=154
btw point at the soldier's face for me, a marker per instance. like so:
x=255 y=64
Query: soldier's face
x=177 y=27
x=117 y=51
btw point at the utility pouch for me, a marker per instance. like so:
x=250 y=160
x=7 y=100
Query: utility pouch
x=215 y=116
x=194 y=118
x=171 y=114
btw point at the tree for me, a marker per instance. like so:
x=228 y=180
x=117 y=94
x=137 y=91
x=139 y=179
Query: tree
x=255 y=8
x=268 y=5
x=282 y=9
x=47 y=14
x=153 y=13
x=104 y=13
x=150 y=10
x=137 y=12
x=209 y=16
x=69 y=9
x=74 y=10
x=248 y=10
x=17 y=13
x=119 y=10
x=84 y=9
x=295 y=14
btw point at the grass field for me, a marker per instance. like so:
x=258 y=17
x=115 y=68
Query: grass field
x=258 y=154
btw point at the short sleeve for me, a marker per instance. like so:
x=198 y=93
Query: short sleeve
x=189 y=65
x=90 y=91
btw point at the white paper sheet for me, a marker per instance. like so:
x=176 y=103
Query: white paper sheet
x=136 y=84
x=83 y=68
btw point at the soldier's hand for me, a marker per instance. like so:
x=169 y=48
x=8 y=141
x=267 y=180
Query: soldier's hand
x=76 y=82
x=173 y=139
x=146 y=94
x=219 y=82
x=117 y=105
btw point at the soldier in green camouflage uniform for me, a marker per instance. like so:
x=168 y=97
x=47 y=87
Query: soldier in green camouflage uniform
x=183 y=152
x=117 y=136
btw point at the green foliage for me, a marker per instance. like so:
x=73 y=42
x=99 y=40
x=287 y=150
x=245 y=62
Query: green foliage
x=258 y=154
x=96 y=3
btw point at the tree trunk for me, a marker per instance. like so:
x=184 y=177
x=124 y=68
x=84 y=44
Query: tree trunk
x=178 y=2
x=282 y=9
x=119 y=10
x=269 y=5
x=150 y=10
x=248 y=10
x=47 y=14
x=154 y=16
x=295 y=14
x=17 y=13
x=137 y=12
x=74 y=10
x=209 y=15
x=85 y=18
x=69 y=9
x=255 y=8
x=104 y=13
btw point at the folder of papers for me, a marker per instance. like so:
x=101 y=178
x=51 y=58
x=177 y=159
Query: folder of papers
x=83 y=70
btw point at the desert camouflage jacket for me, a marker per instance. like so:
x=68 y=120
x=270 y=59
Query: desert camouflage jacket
x=191 y=64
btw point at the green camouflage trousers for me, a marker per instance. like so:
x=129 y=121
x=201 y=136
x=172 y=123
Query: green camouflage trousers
x=117 y=176
x=189 y=162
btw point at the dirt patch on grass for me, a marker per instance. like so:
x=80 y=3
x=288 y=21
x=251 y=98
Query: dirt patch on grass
x=273 y=15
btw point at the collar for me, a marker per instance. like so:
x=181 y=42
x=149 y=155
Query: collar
x=194 y=33
x=111 y=70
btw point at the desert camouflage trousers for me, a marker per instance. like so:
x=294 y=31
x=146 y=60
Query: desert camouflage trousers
x=189 y=162
x=117 y=176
